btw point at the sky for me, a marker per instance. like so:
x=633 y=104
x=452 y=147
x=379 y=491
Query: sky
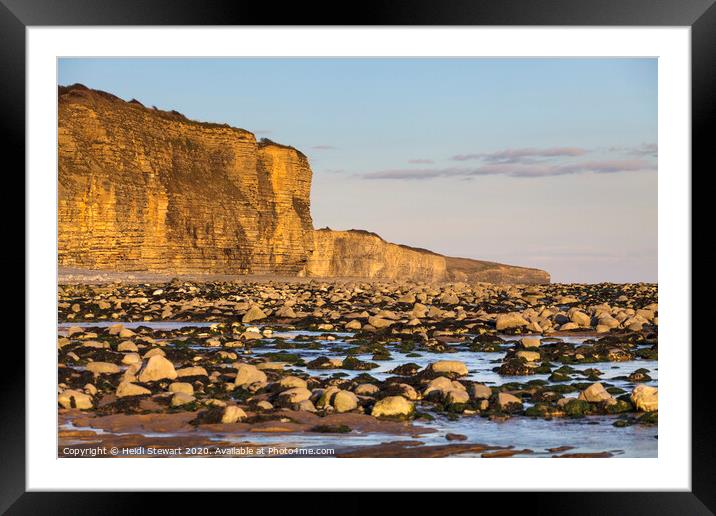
x=547 y=163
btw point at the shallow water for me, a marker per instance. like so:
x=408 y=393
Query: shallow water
x=589 y=435
x=586 y=435
x=479 y=364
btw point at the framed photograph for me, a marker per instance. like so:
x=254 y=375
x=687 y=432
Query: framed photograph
x=438 y=235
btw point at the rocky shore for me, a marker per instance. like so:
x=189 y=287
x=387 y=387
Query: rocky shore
x=370 y=369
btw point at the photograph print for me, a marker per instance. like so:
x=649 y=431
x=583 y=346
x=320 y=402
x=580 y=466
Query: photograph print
x=357 y=257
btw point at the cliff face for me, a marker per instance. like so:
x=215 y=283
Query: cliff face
x=149 y=190
x=362 y=254
x=366 y=255
x=143 y=189
x=466 y=269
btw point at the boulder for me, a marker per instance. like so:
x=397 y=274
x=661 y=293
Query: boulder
x=130 y=374
x=115 y=329
x=286 y=312
x=580 y=319
x=529 y=356
x=419 y=311
x=353 y=325
x=379 y=322
x=345 y=401
x=131 y=358
x=125 y=389
x=456 y=397
x=291 y=382
x=233 y=414
x=325 y=396
x=74 y=330
x=595 y=393
x=264 y=405
x=90 y=389
x=154 y=352
x=295 y=395
x=451 y=367
x=480 y=391
x=608 y=321
x=506 y=401
x=645 y=398
x=191 y=371
x=127 y=345
x=305 y=405
x=408 y=391
x=393 y=406
x=507 y=321
x=95 y=344
x=568 y=326
x=441 y=385
x=184 y=387
x=181 y=398
x=247 y=374
x=157 y=368
x=449 y=298
x=408 y=298
x=530 y=342
x=253 y=314
x=366 y=389
x=70 y=399
x=103 y=368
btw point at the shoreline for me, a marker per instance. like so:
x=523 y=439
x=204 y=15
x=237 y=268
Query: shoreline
x=366 y=369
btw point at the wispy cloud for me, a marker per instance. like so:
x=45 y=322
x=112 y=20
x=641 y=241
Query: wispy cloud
x=645 y=149
x=323 y=147
x=420 y=161
x=522 y=155
x=526 y=170
x=263 y=131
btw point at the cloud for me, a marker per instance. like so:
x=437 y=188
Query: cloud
x=522 y=155
x=645 y=149
x=263 y=131
x=420 y=161
x=525 y=170
x=323 y=147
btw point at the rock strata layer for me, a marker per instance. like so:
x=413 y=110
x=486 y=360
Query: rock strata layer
x=141 y=189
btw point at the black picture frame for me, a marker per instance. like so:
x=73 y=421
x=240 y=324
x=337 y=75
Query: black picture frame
x=16 y=15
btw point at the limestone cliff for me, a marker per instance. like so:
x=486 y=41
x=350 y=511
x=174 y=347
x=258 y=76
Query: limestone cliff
x=366 y=255
x=466 y=269
x=144 y=189
x=362 y=254
x=141 y=189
